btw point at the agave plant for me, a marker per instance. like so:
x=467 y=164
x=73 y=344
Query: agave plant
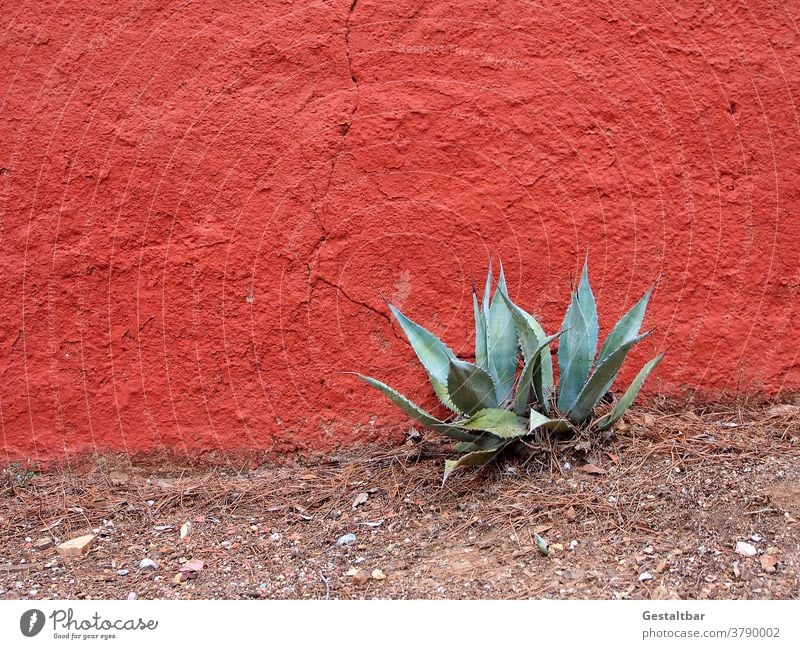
x=494 y=403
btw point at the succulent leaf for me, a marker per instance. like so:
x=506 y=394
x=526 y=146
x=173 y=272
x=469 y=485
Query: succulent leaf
x=497 y=421
x=502 y=343
x=525 y=383
x=627 y=327
x=432 y=353
x=531 y=335
x=418 y=414
x=486 y=442
x=487 y=290
x=524 y=386
x=630 y=394
x=600 y=381
x=589 y=309
x=470 y=388
x=574 y=356
x=475 y=458
x=481 y=357
x=538 y=420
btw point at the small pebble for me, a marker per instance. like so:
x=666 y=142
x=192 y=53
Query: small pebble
x=346 y=539
x=275 y=536
x=360 y=578
x=147 y=564
x=645 y=576
x=122 y=573
x=757 y=538
x=132 y=595
x=745 y=549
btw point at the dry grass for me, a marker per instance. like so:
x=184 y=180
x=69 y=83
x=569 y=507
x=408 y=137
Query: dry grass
x=682 y=484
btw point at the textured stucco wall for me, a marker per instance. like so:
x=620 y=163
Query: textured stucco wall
x=202 y=201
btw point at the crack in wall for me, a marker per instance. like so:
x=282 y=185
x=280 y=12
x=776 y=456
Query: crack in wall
x=345 y=127
x=345 y=130
x=351 y=299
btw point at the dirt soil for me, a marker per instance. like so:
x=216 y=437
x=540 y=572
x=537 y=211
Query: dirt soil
x=657 y=513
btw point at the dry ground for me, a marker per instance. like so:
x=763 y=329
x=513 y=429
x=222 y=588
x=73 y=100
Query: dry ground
x=678 y=491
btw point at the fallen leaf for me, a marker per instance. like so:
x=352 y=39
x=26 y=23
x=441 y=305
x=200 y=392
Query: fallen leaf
x=570 y=513
x=613 y=457
x=541 y=529
x=593 y=469
x=360 y=499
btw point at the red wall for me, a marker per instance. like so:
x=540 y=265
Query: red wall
x=201 y=204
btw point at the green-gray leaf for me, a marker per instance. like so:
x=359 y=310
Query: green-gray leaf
x=486 y=442
x=487 y=290
x=538 y=420
x=525 y=383
x=481 y=357
x=524 y=386
x=627 y=327
x=574 y=356
x=497 y=421
x=531 y=334
x=417 y=413
x=501 y=342
x=589 y=310
x=630 y=394
x=600 y=381
x=432 y=353
x=476 y=458
x=470 y=388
